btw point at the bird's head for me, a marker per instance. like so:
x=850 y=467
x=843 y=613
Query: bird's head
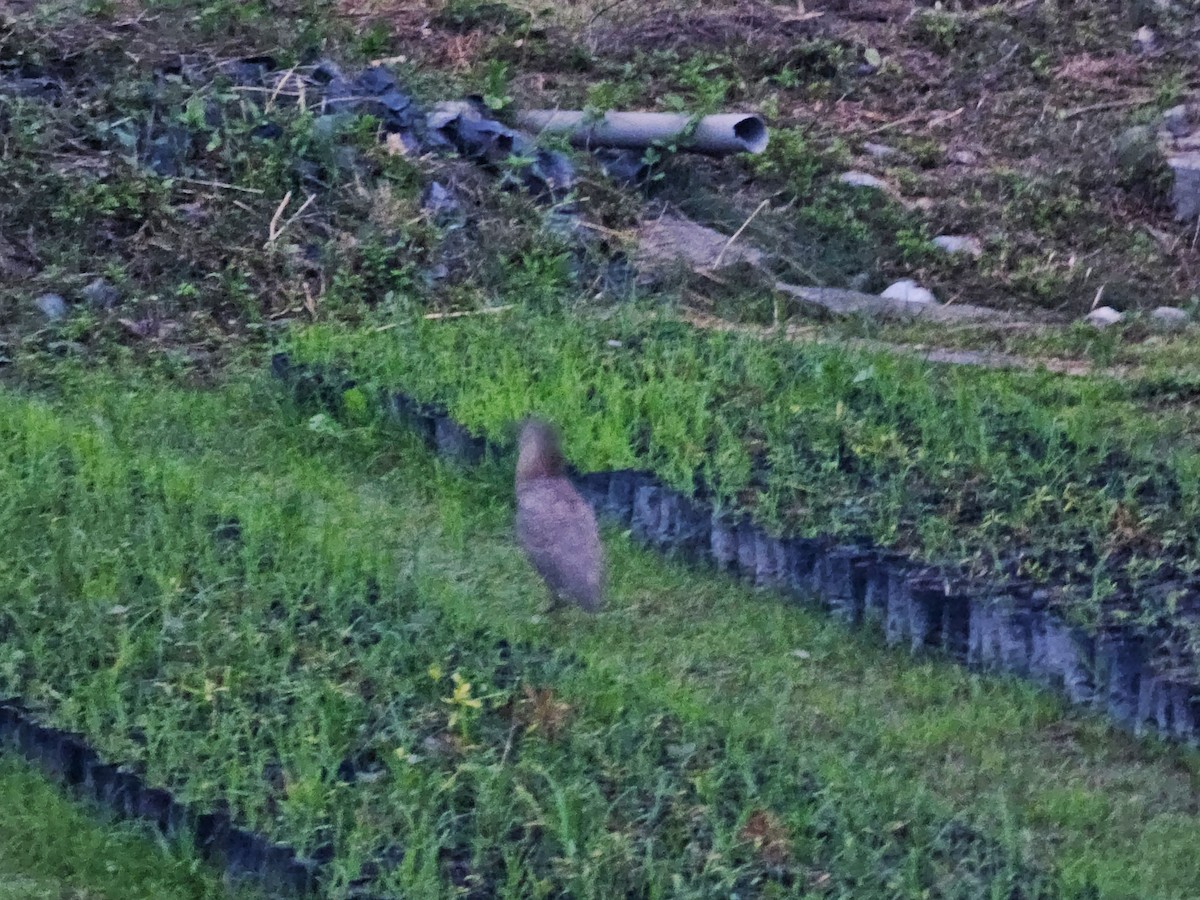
x=538 y=451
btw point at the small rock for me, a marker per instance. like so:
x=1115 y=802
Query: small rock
x=614 y=344
x=909 y=291
x=436 y=745
x=1136 y=149
x=1103 y=316
x=801 y=654
x=959 y=243
x=862 y=179
x=1185 y=186
x=1169 y=318
x=53 y=306
x=440 y=202
x=169 y=151
x=879 y=151
x=101 y=295
x=1139 y=159
x=1145 y=40
x=1177 y=120
x=964 y=157
x=666 y=240
x=434 y=274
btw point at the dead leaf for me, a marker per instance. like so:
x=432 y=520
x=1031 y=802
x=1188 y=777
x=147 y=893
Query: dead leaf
x=769 y=837
x=395 y=145
x=542 y=711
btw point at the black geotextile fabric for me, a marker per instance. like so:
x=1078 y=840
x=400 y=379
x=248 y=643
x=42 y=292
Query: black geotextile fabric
x=68 y=759
x=995 y=626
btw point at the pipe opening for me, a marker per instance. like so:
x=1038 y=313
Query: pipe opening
x=752 y=132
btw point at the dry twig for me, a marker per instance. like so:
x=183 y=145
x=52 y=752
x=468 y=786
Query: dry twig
x=469 y=312
x=729 y=243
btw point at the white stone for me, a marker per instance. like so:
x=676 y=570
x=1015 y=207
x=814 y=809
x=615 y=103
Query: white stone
x=1103 y=316
x=1145 y=39
x=1178 y=120
x=52 y=306
x=959 y=243
x=863 y=179
x=909 y=291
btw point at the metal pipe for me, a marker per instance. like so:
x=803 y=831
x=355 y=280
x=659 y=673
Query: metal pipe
x=718 y=134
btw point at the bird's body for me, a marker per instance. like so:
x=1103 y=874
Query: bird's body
x=555 y=526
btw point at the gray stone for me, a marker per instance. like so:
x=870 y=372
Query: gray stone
x=1145 y=39
x=862 y=179
x=1103 y=316
x=101 y=295
x=672 y=238
x=1185 y=186
x=1169 y=318
x=959 y=243
x=442 y=204
x=53 y=306
x=964 y=157
x=1138 y=156
x=909 y=291
x=1178 y=120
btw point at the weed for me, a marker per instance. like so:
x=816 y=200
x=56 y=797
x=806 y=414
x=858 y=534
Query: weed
x=938 y=29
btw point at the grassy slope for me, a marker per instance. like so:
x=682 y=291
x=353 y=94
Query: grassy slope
x=53 y=848
x=1065 y=479
x=688 y=698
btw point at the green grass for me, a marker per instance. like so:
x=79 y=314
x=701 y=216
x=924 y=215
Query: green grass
x=54 y=849
x=241 y=598
x=246 y=661
x=1076 y=481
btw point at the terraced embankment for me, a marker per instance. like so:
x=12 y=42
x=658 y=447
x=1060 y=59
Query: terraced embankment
x=315 y=624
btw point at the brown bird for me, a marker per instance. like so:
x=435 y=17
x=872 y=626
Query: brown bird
x=555 y=526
